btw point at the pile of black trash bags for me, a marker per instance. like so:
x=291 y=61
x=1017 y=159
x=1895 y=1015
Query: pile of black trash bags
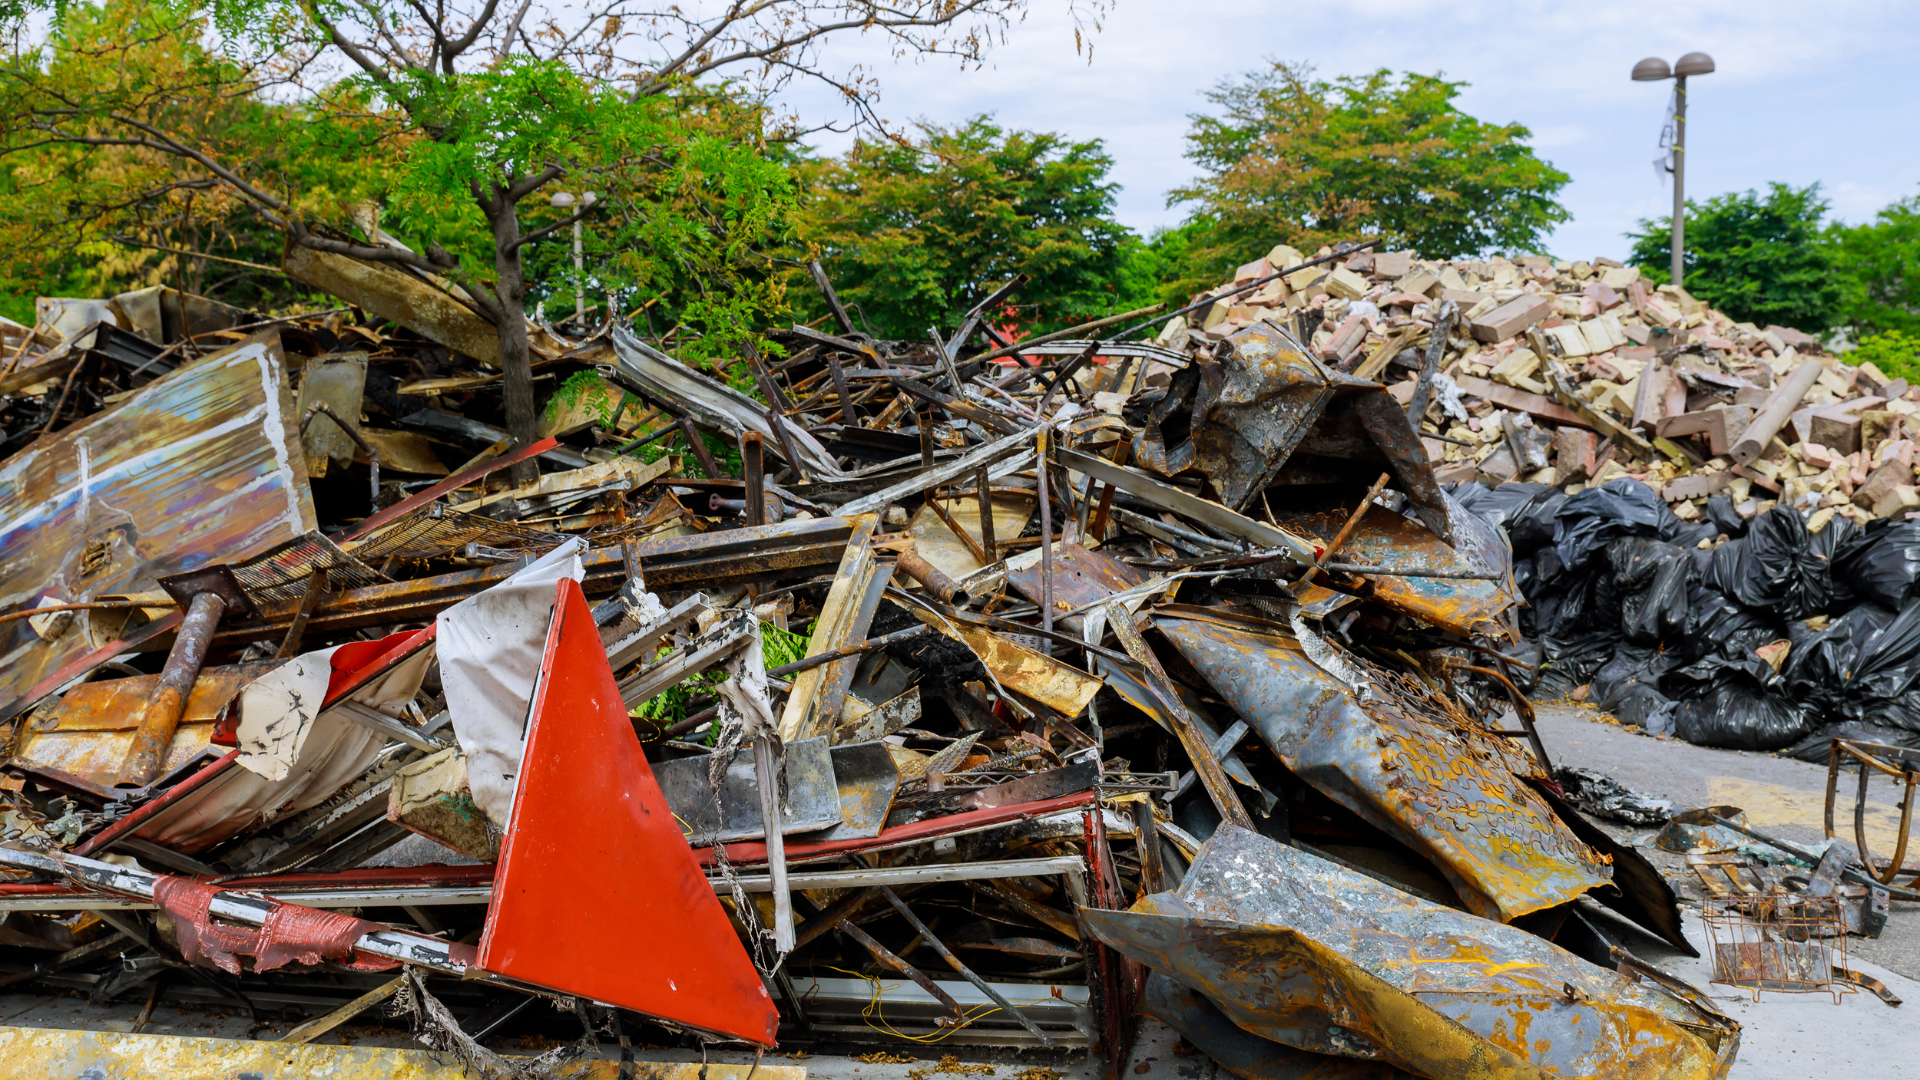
x=1751 y=634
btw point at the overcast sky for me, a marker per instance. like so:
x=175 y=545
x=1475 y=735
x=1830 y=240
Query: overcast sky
x=1804 y=91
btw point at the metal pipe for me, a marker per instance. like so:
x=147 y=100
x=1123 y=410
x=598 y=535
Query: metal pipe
x=1678 y=255
x=160 y=716
x=767 y=779
x=851 y=650
x=939 y=584
x=1046 y=534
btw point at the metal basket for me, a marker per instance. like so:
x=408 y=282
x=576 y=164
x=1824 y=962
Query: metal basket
x=1777 y=940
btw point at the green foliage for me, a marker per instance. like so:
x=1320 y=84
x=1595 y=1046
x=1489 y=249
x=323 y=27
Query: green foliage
x=914 y=235
x=1758 y=258
x=1879 y=264
x=99 y=219
x=1303 y=161
x=1151 y=269
x=1895 y=352
x=674 y=704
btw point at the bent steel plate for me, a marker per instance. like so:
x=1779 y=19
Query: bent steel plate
x=1395 y=541
x=1303 y=952
x=1240 y=1051
x=1439 y=784
x=810 y=798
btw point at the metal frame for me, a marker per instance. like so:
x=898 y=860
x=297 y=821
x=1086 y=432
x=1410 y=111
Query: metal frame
x=1906 y=769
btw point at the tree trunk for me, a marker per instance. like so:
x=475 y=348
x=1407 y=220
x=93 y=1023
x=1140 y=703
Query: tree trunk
x=516 y=352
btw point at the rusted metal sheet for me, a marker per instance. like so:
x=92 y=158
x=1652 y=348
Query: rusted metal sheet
x=1249 y=409
x=81 y=738
x=1061 y=687
x=1080 y=578
x=201 y=466
x=394 y=294
x=1397 y=542
x=1436 y=782
x=58 y=1052
x=1303 y=952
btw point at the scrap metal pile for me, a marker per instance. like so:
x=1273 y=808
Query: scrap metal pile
x=1090 y=676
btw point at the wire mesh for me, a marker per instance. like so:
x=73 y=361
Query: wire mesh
x=435 y=531
x=280 y=575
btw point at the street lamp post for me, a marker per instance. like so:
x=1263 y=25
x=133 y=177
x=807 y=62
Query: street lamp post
x=562 y=200
x=1654 y=69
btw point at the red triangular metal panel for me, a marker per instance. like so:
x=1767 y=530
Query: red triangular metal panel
x=597 y=893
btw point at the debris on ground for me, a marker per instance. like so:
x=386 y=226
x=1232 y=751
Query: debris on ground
x=926 y=698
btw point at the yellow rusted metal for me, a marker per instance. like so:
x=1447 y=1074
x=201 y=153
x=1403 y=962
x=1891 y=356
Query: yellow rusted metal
x=1306 y=953
x=1058 y=686
x=1404 y=760
x=82 y=737
x=114 y=1055
x=1463 y=606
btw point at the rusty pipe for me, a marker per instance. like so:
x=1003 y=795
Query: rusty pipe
x=160 y=716
x=939 y=584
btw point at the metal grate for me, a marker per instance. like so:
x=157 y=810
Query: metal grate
x=435 y=531
x=280 y=575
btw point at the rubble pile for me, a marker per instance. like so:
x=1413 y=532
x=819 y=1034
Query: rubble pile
x=947 y=691
x=1713 y=522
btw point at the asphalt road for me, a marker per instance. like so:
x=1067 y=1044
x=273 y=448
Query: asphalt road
x=1781 y=797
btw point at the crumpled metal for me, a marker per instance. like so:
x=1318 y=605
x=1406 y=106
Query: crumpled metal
x=1438 y=783
x=1308 y=954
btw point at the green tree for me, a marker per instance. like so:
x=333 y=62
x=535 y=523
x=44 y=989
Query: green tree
x=1879 y=264
x=1304 y=161
x=492 y=108
x=1760 y=259
x=915 y=233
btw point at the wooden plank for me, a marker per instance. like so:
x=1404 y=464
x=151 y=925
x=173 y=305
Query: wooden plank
x=837 y=626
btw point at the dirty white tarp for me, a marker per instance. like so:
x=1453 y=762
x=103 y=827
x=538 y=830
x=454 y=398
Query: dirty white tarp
x=279 y=710
x=490 y=648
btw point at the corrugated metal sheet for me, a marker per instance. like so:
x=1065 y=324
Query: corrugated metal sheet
x=197 y=468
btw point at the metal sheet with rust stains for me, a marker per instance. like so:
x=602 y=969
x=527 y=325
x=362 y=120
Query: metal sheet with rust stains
x=82 y=738
x=1395 y=541
x=1061 y=687
x=1306 y=953
x=1080 y=578
x=1440 y=785
x=201 y=466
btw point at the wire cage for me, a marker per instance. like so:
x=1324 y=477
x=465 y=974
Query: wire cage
x=1782 y=941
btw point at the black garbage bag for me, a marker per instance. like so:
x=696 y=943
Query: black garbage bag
x=1628 y=686
x=1532 y=525
x=1586 y=523
x=1652 y=581
x=1885 y=687
x=1735 y=704
x=1720 y=511
x=1690 y=533
x=1529 y=655
x=1774 y=567
x=1569 y=662
x=1882 y=564
x=1718 y=626
x=1815 y=747
x=1822 y=663
x=1525 y=575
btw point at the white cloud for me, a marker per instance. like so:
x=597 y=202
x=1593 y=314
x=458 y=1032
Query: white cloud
x=1804 y=92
